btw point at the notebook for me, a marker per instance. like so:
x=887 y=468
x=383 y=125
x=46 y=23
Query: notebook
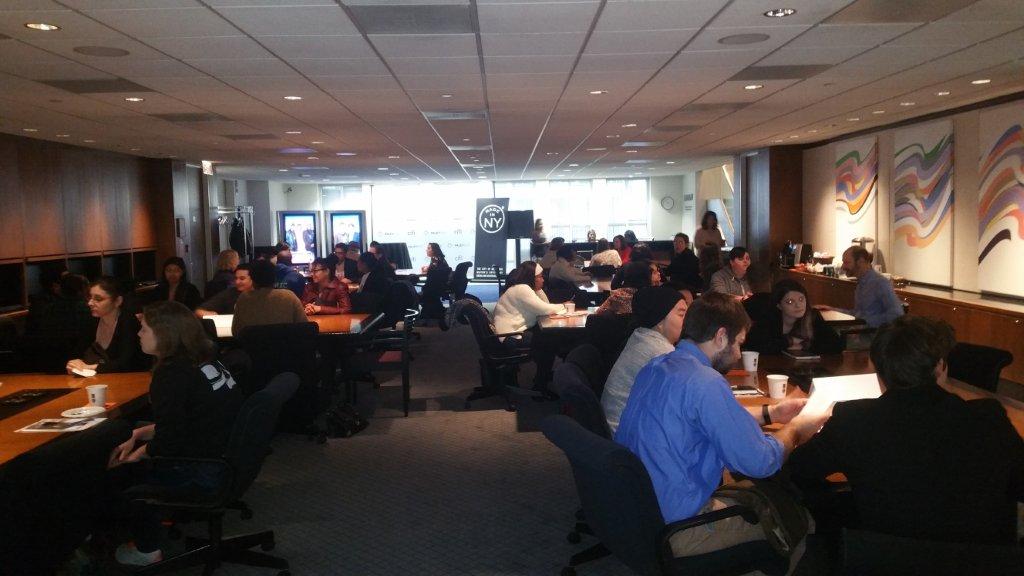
x=801 y=355
x=827 y=391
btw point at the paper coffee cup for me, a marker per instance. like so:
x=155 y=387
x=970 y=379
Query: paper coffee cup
x=750 y=361
x=777 y=384
x=570 y=307
x=355 y=327
x=97 y=394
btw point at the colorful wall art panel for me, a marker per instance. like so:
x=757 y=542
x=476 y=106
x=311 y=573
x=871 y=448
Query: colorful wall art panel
x=856 y=191
x=1001 y=201
x=922 y=191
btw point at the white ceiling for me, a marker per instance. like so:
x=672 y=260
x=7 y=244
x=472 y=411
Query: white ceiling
x=523 y=69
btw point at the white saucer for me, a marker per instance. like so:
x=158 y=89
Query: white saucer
x=83 y=412
x=84 y=372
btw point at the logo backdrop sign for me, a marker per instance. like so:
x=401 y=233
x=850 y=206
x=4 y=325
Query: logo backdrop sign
x=491 y=241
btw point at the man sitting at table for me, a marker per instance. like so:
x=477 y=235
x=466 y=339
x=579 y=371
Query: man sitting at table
x=551 y=256
x=563 y=269
x=874 y=300
x=659 y=312
x=285 y=275
x=684 y=423
x=922 y=462
x=266 y=304
x=732 y=279
x=224 y=301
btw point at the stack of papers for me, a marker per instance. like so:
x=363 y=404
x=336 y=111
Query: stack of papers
x=827 y=391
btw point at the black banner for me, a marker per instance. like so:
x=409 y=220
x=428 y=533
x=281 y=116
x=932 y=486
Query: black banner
x=491 y=224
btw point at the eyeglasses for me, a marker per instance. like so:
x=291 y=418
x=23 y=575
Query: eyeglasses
x=791 y=301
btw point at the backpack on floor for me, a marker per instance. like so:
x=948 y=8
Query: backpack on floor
x=339 y=421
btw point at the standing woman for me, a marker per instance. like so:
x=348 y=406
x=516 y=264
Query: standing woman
x=194 y=405
x=709 y=232
x=538 y=239
x=436 y=258
x=619 y=245
x=792 y=324
x=113 y=343
x=325 y=294
x=175 y=286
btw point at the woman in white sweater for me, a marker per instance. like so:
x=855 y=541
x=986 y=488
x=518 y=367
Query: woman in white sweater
x=524 y=300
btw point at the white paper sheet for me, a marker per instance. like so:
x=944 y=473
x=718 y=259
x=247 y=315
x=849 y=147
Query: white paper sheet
x=827 y=391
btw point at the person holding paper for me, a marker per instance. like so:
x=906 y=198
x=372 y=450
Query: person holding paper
x=874 y=300
x=682 y=421
x=792 y=324
x=922 y=462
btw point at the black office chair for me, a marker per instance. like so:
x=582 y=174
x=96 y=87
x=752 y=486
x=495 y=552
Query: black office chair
x=978 y=365
x=499 y=361
x=458 y=282
x=277 y=348
x=602 y=272
x=872 y=554
x=392 y=346
x=609 y=333
x=622 y=509
x=559 y=291
x=247 y=447
x=434 y=288
x=588 y=358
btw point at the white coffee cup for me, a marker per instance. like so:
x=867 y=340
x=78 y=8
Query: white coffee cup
x=97 y=394
x=777 y=384
x=750 y=361
x=570 y=307
x=355 y=327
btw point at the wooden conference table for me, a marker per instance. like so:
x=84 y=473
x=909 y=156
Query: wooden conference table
x=335 y=324
x=126 y=391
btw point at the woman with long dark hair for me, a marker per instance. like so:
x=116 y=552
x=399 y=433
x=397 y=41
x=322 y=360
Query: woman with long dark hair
x=622 y=247
x=792 y=324
x=174 y=285
x=709 y=232
x=113 y=343
x=436 y=258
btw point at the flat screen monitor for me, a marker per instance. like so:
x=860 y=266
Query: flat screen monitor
x=520 y=223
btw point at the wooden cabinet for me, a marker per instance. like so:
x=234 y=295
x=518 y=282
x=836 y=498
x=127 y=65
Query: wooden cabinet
x=116 y=203
x=43 y=206
x=81 y=194
x=12 y=237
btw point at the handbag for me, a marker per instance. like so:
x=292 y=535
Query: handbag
x=783 y=520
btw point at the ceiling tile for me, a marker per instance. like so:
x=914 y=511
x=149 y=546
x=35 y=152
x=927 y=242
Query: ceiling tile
x=741 y=13
x=532 y=44
x=657 y=14
x=426 y=45
x=639 y=42
x=528 y=64
x=236 y=67
x=435 y=65
x=339 y=66
x=166 y=23
x=291 y=20
x=533 y=18
x=219 y=47
x=952 y=33
x=990 y=11
x=351 y=46
x=74 y=26
x=881 y=11
x=621 y=62
x=809 y=56
x=831 y=35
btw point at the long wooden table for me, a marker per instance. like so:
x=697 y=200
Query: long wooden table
x=328 y=323
x=851 y=363
x=562 y=322
x=127 y=391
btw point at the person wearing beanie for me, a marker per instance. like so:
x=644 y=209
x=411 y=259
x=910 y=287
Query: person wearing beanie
x=659 y=312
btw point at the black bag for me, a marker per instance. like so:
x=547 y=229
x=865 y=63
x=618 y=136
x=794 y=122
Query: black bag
x=339 y=421
x=783 y=519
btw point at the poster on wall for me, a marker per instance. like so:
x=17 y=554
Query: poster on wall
x=346 y=226
x=300 y=231
x=922 y=242
x=491 y=237
x=1001 y=201
x=856 y=191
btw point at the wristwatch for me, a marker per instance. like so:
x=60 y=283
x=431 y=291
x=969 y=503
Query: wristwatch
x=765 y=415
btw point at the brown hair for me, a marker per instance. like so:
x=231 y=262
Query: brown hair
x=712 y=311
x=859 y=253
x=226 y=258
x=906 y=351
x=525 y=273
x=178 y=332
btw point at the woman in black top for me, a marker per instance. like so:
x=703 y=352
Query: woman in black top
x=175 y=286
x=112 y=344
x=436 y=258
x=793 y=324
x=194 y=405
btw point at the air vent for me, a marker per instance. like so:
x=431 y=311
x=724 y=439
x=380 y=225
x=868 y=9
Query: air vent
x=410 y=19
x=468 y=115
x=468 y=148
x=97 y=86
x=250 y=136
x=191 y=117
x=886 y=11
x=642 y=144
x=780 y=72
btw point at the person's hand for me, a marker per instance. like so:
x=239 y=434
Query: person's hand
x=823 y=308
x=76 y=364
x=120 y=452
x=795 y=343
x=806 y=425
x=786 y=410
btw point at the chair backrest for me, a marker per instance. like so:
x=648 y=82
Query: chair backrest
x=602 y=272
x=609 y=333
x=978 y=365
x=459 y=280
x=479 y=320
x=210 y=327
x=559 y=291
x=277 y=348
x=402 y=297
x=437 y=279
x=253 y=429
x=588 y=358
x=578 y=399
x=869 y=553
x=616 y=493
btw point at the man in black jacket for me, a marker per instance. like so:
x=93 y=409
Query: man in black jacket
x=684 y=270
x=922 y=462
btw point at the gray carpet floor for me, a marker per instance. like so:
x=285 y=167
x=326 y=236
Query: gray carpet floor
x=444 y=491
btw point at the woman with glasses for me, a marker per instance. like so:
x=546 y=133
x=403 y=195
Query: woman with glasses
x=793 y=324
x=113 y=344
x=325 y=294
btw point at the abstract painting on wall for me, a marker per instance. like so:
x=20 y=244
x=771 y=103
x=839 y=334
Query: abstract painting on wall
x=856 y=191
x=1001 y=201
x=922 y=190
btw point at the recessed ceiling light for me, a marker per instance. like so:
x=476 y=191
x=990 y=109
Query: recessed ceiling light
x=42 y=26
x=282 y=169
x=446 y=95
x=812 y=131
x=294 y=132
x=293 y=97
x=91 y=141
x=465 y=139
x=598 y=92
x=134 y=99
x=573 y=165
x=566 y=170
x=596 y=149
x=981 y=81
x=344 y=153
x=631 y=151
x=316 y=142
x=780 y=12
x=552 y=153
x=854 y=119
x=403 y=178
x=383 y=168
x=878 y=111
x=303 y=175
x=943 y=93
x=630 y=125
x=793 y=136
x=311 y=158
x=393 y=174
x=613 y=136
x=63 y=135
x=30 y=130
x=907 y=103
x=753 y=86
x=482 y=177
x=670 y=162
x=135 y=149
x=393 y=157
x=778 y=140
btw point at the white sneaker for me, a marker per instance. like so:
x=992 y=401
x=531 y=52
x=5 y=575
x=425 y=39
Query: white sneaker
x=128 y=554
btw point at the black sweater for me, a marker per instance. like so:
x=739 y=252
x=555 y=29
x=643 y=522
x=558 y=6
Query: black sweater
x=186 y=293
x=192 y=418
x=766 y=336
x=124 y=353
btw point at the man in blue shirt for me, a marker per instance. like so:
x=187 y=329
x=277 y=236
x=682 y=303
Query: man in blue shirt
x=874 y=300
x=684 y=423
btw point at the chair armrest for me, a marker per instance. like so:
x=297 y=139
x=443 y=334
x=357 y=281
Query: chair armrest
x=703 y=519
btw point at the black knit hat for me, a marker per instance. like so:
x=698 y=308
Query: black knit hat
x=651 y=305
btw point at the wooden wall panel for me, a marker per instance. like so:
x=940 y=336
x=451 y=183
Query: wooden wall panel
x=786 y=220
x=42 y=205
x=115 y=202
x=756 y=196
x=81 y=193
x=12 y=235
x=141 y=202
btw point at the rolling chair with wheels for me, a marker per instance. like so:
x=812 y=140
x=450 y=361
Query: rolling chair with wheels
x=499 y=361
x=978 y=365
x=248 y=445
